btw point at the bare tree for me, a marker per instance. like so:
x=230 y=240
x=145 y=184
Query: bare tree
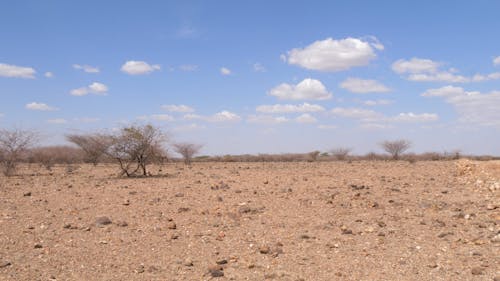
x=396 y=148
x=187 y=150
x=94 y=145
x=135 y=147
x=13 y=145
x=314 y=155
x=340 y=153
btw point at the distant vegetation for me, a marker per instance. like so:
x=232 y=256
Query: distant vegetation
x=134 y=148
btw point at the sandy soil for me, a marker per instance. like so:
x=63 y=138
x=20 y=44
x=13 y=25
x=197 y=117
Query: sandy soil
x=254 y=221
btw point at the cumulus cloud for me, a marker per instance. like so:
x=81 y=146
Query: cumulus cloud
x=14 y=71
x=86 y=68
x=48 y=74
x=377 y=102
x=189 y=127
x=308 y=89
x=334 y=55
x=225 y=71
x=94 y=88
x=425 y=70
x=371 y=116
x=412 y=117
x=305 y=119
x=362 y=86
x=177 y=108
x=289 y=108
x=133 y=67
x=375 y=126
x=267 y=119
x=472 y=106
x=57 y=121
x=40 y=106
x=188 y=67
x=356 y=113
x=224 y=116
x=496 y=61
x=258 y=67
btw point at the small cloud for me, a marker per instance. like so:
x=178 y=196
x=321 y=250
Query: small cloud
x=49 y=74
x=225 y=71
x=289 y=108
x=57 y=121
x=377 y=102
x=327 y=127
x=267 y=119
x=308 y=89
x=258 y=67
x=356 y=113
x=40 y=106
x=411 y=117
x=190 y=127
x=375 y=126
x=192 y=117
x=162 y=117
x=86 y=68
x=177 y=108
x=94 y=88
x=496 y=61
x=224 y=116
x=188 y=67
x=186 y=31
x=306 y=119
x=14 y=71
x=363 y=86
x=139 y=67
x=415 y=65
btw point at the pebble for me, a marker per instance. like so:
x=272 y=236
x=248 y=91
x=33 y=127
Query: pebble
x=188 y=262
x=5 y=264
x=171 y=225
x=491 y=207
x=27 y=194
x=102 y=221
x=38 y=246
x=477 y=271
x=216 y=271
x=139 y=269
x=222 y=261
x=264 y=249
x=122 y=223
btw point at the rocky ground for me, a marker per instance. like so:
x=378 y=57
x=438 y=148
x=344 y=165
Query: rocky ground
x=254 y=221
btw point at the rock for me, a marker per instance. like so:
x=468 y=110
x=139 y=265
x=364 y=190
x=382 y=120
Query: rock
x=171 y=225
x=477 y=270
x=5 y=264
x=187 y=262
x=444 y=234
x=126 y=202
x=102 y=221
x=264 y=249
x=139 y=269
x=222 y=261
x=244 y=210
x=174 y=236
x=122 y=223
x=216 y=271
x=38 y=246
x=152 y=269
x=180 y=194
x=491 y=207
x=345 y=230
x=27 y=194
x=496 y=278
x=496 y=239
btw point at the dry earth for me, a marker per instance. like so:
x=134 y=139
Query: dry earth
x=254 y=221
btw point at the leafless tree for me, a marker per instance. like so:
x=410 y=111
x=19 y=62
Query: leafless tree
x=314 y=155
x=340 y=153
x=135 y=147
x=93 y=145
x=396 y=148
x=187 y=150
x=13 y=145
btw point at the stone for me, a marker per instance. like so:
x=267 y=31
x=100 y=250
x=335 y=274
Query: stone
x=221 y=261
x=5 y=264
x=264 y=249
x=38 y=246
x=171 y=225
x=102 y=221
x=216 y=271
x=187 y=262
x=477 y=270
x=26 y=194
x=122 y=223
x=139 y=269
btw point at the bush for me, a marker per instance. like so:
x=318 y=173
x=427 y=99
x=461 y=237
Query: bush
x=14 y=145
x=396 y=148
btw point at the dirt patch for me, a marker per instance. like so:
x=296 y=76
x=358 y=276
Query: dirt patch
x=254 y=221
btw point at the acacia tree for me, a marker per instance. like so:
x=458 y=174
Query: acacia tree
x=314 y=155
x=135 y=147
x=340 y=153
x=13 y=145
x=396 y=148
x=187 y=150
x=94 y=146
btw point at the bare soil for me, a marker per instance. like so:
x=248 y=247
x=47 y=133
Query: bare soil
x=254 y=221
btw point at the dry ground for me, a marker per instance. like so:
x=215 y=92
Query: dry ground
x=259 y=221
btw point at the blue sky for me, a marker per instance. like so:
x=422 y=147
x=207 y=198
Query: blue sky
x=257 y=76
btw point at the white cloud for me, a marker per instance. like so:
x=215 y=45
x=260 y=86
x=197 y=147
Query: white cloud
x=192 y=117
x=94 y=88
x=305 y=119
x=49 y=74
x=362 y=86
x=375 y=126
x=86 y=68
x=308 y=89
x=40 y=106
x=356 y=113
x=258 y=67
x=133 y=67
x=189 y=127
x=377 y=102
x=224 y=116
x=188 y=67
x=327 y=127
x=225 y=71
x=14 y=71
x=177 y=108
x=415 y=65
x=267 y=119
x=334 y=55
x=496 y=61
x=411 y=117
x=472 y=106
x=289 y=108
x=425 y=70
x=162 y=117
x=57 y=121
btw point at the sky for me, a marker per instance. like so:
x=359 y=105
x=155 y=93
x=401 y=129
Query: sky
x=257 y=76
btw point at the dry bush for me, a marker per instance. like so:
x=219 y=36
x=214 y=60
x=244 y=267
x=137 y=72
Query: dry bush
x=93 y=145
x=313 y=155
x=187 y=151
x=396 y=148
x=48 y=156
x=135 y=147
x=14 y=144
x=340 y=153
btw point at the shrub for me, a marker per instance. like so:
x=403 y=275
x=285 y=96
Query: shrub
x=14 y=144
x=396 y=148
x=187 y=151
